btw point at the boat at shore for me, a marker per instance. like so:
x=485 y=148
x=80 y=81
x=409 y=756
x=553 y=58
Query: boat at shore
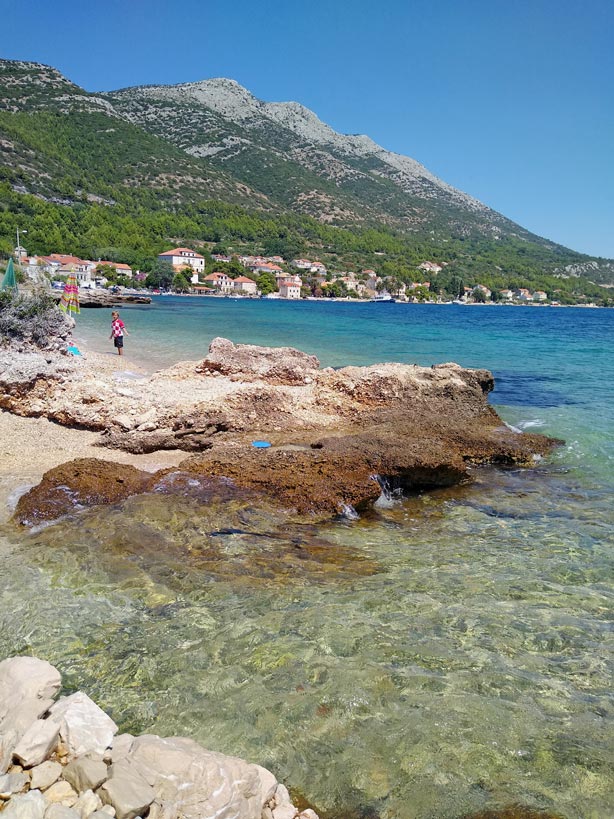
x=384 y=298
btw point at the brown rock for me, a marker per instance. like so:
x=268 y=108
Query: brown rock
x=83 y=482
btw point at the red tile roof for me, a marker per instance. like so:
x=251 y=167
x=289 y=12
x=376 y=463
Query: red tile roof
x=178 y=251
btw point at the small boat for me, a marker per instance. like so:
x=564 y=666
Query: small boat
x=383 y=297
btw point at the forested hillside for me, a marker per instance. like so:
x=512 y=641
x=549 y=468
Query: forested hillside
x=82 y=174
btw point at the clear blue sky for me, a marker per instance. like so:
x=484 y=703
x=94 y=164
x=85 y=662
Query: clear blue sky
x=512 y=102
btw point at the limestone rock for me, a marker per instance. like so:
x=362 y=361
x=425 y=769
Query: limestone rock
x=282 y=797
x=308 y=814
x=27 y=688
x=58 y=811
x=276 y=365
x=85 y=774
x=37 y=742
x=268 y=784
x=11 y=783
x=285 y=812
x=198 y=782
x=29 y=805
x=44 y=775
x=86 y=729
x=87 y=803
x=62 y=793
x=121 y=747
x=127 y=791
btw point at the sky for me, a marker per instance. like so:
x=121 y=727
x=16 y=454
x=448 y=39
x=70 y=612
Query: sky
x=510 y=101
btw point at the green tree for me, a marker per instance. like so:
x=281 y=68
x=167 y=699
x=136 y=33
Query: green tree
x=161 y=275
x=180 y=283
x=266 y=283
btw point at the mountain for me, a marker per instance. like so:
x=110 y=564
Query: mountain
x=198 y=150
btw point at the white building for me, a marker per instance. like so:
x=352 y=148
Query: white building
x=181 y=257
x=290 y=289
x=242 y=284
x=220 y=282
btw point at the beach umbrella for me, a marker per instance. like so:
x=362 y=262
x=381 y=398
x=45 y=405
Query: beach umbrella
x=69 y=302
x=9 y=282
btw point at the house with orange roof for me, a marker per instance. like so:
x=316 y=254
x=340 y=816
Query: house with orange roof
x=181 y=257
x=221 y=282
x=243 y=284
x=122 y=269
x=290 y=289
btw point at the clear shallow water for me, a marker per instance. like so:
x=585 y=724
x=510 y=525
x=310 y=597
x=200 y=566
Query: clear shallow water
x=448 y=654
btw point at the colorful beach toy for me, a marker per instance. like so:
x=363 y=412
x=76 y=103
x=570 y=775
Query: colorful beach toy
x=261 y=444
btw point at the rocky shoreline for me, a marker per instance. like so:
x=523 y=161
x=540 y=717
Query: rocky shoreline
x=64 y=760
x=104 y=298
x=338 y=438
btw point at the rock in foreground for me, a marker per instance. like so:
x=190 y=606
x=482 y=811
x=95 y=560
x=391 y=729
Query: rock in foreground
x=87 y=771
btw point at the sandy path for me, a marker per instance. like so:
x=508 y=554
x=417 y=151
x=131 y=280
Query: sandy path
x=31 y=446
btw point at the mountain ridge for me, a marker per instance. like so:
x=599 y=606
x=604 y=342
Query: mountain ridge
x=180 y=149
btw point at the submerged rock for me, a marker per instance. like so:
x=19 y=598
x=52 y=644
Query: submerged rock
x=78 y=484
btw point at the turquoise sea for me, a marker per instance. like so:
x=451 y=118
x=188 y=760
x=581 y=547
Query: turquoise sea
x=449 y=654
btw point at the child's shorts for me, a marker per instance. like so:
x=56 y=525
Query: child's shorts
x=118 y=341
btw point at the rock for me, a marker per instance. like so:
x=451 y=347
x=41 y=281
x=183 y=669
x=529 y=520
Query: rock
x=125 y=422
x=277 y=365
x=58 y=811
x=282 y=797
x=268 y=784
x=308 y=814
x=197 y=782
x=85 y=774
x=412 y=427
x=285 y=812
x=27 y=688
x=37 y=742
x=121 y=747
x=44 y=775
x=85 y=728
x=62 y=793
x=11 y=783
x=87 y=803
x=83 y=482
x=29 y=805
x=147 y=418
x=126 y=791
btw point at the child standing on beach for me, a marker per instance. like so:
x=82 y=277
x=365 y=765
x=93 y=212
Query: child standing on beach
x=118 y=328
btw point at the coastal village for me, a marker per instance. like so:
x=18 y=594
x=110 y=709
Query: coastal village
x=254 y=276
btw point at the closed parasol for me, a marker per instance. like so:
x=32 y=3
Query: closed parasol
x=9 y=282
x=69 y=302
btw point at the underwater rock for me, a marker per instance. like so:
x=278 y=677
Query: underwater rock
x=77 y=484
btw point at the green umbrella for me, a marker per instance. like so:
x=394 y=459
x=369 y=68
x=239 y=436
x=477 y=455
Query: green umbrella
x=9 y=281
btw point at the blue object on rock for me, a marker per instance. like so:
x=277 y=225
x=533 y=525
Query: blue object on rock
x=73 y=350
x=261 y=444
